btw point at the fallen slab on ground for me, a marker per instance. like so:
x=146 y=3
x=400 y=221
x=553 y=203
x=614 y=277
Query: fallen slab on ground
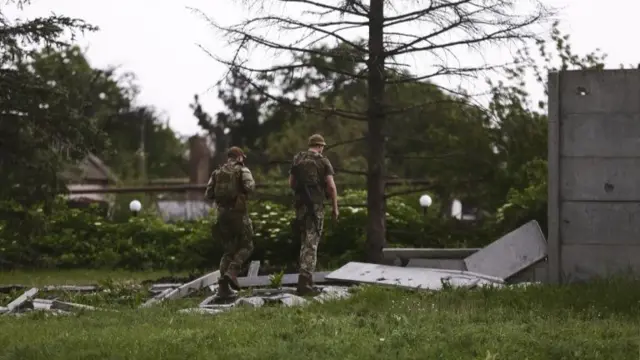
x=195 y=285
x=508 y=258
x=410 y=278
x=512 y=253
x=22 y=300
x=406 y=254
x=72 y=288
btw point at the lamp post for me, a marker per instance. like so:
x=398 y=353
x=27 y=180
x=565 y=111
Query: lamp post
x=135 y=206
x=425 y=202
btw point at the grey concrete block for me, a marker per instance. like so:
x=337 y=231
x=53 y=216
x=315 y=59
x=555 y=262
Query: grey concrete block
x=600 y=179
x=600 y=135
x=610 y=91
x=586 y=262
x=605 y=223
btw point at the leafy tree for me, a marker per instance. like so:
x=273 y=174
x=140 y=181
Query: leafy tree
x=110 y=102
x=39 y=131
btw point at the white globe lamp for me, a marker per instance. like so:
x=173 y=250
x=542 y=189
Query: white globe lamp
x=135 y=206
x=425 y=202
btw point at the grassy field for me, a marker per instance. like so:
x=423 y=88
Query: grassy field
x=78 y=277
x=597 y=321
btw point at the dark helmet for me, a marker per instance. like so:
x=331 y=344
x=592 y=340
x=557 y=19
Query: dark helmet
x=235 y=152
x=316 y=140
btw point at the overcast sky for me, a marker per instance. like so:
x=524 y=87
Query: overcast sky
x=157 y=40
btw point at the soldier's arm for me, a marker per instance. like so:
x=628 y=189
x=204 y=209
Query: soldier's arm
x=332 y=190
x=248 y=184
x=209 y=192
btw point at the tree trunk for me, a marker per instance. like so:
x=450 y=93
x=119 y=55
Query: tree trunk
x=376 y=226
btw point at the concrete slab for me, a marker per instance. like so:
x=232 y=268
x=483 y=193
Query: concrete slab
x=69 y=307
x=72 y=288
x=510 y=254
x=450 y=264
x=42 y=304
x=22 y=299
x=410 y=278
x=427 y=253
x=157 y=298
x=163 y=287
x=197 y=284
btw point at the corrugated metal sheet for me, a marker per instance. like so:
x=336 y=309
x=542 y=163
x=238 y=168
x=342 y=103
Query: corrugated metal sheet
x=177 y=210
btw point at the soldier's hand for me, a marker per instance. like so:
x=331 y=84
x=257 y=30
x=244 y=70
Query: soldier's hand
x=335 y=212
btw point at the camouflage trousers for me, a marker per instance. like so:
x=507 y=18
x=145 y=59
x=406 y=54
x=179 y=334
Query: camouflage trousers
x=309 y=225
x=235 y=231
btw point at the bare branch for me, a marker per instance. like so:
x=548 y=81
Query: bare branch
x=342 y=10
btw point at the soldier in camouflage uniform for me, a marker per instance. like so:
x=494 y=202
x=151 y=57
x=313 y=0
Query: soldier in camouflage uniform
x=229 y=186
x=311 y=178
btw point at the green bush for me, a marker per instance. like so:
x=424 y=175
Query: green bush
x=61 y=237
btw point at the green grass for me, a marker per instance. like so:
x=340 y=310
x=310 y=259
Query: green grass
x=78 y=277
x=596 y=321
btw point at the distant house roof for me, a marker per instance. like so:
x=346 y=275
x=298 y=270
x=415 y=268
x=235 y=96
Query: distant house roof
x=176 y=210
x=90 y=169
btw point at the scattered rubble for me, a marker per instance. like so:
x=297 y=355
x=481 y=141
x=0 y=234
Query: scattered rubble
x=502 y=262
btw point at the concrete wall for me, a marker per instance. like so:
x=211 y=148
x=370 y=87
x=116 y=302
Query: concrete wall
x=594 y=174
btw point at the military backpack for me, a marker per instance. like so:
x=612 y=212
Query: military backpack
x=309 y=175
x=228 y=185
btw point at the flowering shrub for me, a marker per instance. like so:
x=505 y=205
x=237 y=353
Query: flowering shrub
x=61 y=237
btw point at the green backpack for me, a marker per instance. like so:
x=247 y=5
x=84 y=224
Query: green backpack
x=227 y=188
x=307 y=171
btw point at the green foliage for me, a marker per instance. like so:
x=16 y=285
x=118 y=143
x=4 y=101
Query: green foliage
x=528 y=199
x=275 y=280
x=39 y=130
x=60 y=237
x=109 y=101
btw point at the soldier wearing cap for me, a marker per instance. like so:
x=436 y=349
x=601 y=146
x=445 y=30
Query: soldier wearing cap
x=229 y=187
x=311 y=178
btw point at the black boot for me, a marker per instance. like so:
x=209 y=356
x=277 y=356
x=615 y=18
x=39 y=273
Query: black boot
x=305 y=286
x=231 y=277
x=224 y=291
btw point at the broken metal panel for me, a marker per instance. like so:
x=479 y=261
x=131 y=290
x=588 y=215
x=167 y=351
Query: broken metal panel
x=510 y=254
x=410 y=278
